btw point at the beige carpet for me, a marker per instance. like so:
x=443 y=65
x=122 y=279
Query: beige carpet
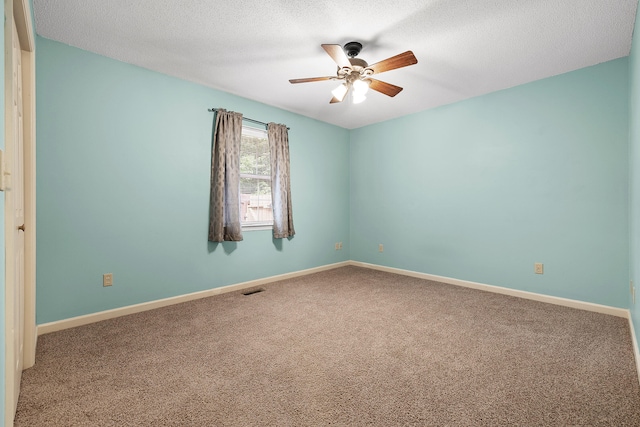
x=347 y=347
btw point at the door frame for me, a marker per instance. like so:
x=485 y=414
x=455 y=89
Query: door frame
x=20 y=11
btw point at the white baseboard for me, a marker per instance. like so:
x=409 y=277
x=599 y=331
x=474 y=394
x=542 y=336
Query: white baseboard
x=634 y=340
x=46 y=328
x=72 y=322
x=598 y=308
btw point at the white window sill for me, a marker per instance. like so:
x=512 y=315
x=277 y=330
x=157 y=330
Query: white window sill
x=257 y=227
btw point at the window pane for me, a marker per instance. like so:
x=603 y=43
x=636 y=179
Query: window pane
x=255 y=178
x=254 y=156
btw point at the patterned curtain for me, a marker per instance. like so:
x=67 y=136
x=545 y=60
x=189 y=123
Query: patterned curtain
x=280 y=184
x=224 y=204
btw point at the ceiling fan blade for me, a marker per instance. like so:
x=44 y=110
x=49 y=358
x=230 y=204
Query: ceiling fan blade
x=336 y=53
x=311 y=79
x=384 y=87
x=340 y=93
x=402 y=60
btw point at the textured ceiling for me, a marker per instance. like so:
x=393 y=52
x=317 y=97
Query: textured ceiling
x=465 y=48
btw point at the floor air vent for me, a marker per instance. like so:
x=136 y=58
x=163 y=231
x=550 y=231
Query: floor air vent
x=253 y=291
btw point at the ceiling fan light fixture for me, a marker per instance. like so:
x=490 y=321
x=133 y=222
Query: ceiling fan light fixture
x=360 y=87
x=358 y=97
x=340 y=91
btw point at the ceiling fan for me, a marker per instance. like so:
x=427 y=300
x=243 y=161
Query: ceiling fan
x=355 y=73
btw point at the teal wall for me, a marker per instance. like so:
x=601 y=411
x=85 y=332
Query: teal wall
x=634 y=175
x=482 y=189
x=123 y=160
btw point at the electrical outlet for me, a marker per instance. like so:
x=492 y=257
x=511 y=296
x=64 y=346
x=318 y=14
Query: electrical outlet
x=380 y=248
x=107 y=279
x=538 y=268
x=337 y=246
x=340 y=245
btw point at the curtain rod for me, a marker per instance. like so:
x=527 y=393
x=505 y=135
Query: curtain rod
x=211 y=110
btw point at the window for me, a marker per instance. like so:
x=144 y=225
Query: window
x=255 y=179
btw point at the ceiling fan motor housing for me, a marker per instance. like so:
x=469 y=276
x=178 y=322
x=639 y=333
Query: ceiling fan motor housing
x=358 y=63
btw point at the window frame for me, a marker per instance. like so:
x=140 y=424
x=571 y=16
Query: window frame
x=255 y=132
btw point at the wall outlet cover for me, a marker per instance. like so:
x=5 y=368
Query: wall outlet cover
x=107 y=279
x=538 y=268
